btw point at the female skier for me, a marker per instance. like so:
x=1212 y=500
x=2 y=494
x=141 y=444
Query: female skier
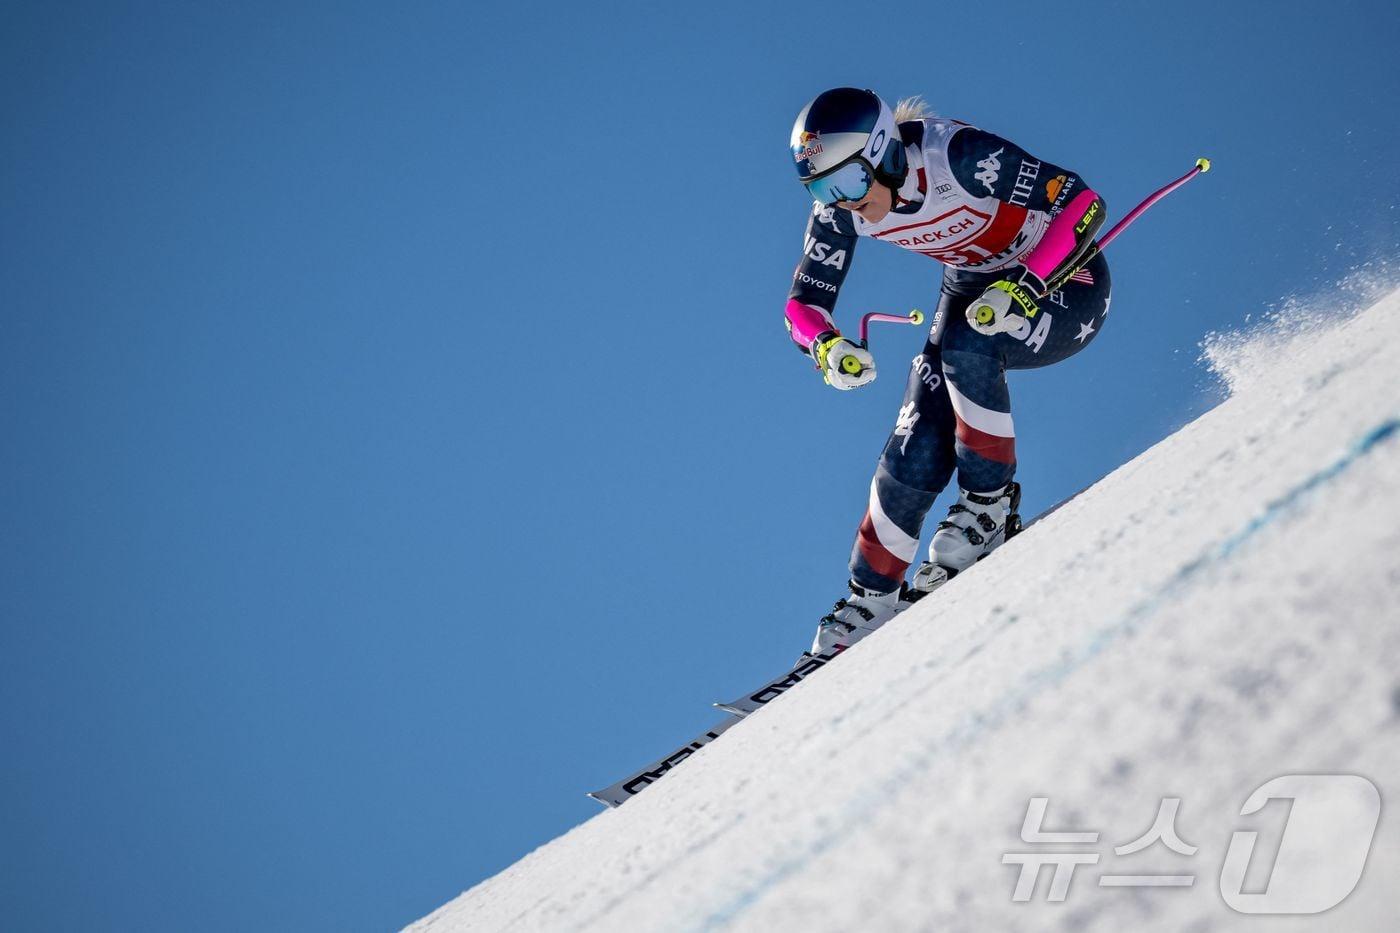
x=1005 y=226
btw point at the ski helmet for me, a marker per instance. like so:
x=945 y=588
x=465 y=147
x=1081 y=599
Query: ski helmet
x=842 y=127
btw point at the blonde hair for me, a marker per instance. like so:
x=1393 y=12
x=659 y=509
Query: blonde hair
x=912 y=108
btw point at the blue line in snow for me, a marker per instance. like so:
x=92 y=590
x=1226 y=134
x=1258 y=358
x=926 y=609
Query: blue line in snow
x=964 y=732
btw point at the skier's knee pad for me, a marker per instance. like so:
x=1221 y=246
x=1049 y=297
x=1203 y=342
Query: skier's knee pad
x=908 y=487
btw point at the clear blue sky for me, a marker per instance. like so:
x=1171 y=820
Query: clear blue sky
x=400 y=435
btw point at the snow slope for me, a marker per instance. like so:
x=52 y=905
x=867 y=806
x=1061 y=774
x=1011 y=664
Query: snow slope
x=1225 y=614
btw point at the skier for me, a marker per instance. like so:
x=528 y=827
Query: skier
x=1005 y=225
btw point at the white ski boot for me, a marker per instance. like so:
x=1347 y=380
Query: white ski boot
x=855 y=616
x=977 y=524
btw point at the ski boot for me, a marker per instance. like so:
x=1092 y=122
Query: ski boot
x=977 y=524
x=855 y=616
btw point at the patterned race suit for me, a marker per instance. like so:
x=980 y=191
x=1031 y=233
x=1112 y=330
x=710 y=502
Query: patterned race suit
x=987 y=210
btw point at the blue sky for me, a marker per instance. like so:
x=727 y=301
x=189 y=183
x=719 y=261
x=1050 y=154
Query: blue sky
x=401 y=438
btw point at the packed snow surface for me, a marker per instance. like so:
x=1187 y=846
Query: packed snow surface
x=1221 y=611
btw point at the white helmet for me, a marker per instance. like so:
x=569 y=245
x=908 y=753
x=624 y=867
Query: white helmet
x=847 y=126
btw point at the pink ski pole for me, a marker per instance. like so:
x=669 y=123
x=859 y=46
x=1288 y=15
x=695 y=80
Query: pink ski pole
x=916 y=317
x=1201 y=166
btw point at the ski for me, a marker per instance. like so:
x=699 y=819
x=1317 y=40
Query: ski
x=615 y=795
x=806 y=666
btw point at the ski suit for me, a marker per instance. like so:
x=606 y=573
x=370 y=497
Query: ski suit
x=987 y=210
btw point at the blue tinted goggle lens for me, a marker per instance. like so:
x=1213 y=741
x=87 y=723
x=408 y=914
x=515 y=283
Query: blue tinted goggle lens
x=850 y=182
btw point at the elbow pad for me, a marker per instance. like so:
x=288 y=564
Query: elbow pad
x=806 y=323
x=1068 y=236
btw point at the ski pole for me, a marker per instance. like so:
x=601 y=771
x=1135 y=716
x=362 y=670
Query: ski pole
x=850 y=364
x=915 y=317
x=1201 y=166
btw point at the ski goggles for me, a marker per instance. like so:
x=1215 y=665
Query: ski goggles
x=849 y=181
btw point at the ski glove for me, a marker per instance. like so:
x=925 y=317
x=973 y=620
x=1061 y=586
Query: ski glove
x=1003 y=307
x=844 y=365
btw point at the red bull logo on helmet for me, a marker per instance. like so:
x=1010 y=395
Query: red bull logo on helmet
x=807 y=145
